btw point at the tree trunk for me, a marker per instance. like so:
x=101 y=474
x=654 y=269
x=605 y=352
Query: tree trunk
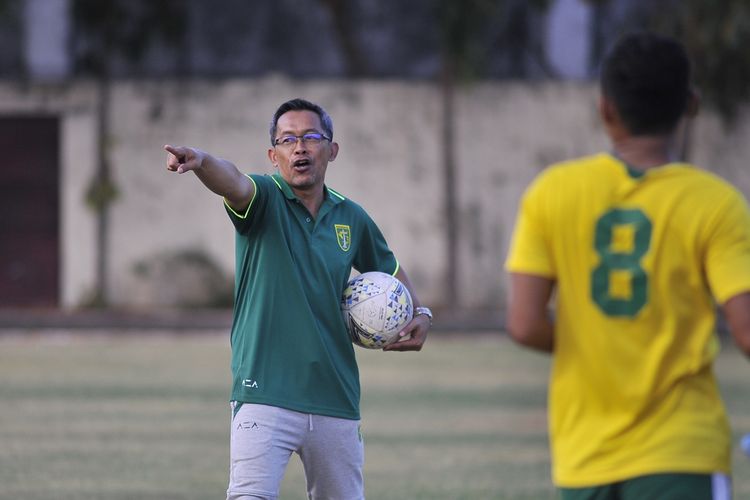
x=356 y=63
x=103 y=195
x=448 y=95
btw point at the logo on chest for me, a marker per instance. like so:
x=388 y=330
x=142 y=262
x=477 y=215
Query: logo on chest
x=343 y=236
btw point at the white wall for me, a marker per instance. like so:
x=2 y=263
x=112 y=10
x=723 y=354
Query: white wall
x=390 y=162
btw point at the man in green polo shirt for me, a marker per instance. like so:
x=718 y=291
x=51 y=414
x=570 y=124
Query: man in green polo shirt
x=296 y=383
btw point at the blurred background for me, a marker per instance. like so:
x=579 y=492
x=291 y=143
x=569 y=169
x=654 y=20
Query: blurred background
x=444 y=111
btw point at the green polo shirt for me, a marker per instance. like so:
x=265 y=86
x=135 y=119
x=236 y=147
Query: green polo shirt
x=290 y=347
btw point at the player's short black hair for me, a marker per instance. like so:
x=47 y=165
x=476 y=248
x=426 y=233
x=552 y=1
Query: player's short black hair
x=302 y=105
x=647 y=77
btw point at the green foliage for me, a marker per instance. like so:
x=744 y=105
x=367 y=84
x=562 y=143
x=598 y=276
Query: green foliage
x=717 y=37
x=471 y=30
x=5 y=7
x=124 y=28
x=101 y=193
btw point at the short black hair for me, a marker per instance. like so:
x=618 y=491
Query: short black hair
x=302 y=105
x=647 y=77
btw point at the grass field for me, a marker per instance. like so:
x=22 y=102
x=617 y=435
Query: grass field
x=113 y=416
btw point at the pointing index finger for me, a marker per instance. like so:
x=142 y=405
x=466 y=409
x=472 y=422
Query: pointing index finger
x=178 y=152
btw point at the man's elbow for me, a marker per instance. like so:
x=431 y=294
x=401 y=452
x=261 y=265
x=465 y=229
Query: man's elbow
x=530 y=334
x=520 y=333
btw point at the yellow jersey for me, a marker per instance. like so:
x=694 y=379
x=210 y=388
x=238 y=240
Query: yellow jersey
x=638 y=260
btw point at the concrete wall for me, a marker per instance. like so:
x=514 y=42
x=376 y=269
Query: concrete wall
x=390 y=162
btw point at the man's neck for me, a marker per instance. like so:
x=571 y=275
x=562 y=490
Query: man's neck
x=644 y=152
x=311 y=199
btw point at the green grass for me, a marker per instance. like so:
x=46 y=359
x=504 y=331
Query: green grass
x=145 y=417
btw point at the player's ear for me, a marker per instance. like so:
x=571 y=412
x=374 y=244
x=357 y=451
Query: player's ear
x=272 y=157
x=334 y=151
x=607 y=110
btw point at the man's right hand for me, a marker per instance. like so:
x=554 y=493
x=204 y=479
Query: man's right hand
x=220 y=176
x=182 y=159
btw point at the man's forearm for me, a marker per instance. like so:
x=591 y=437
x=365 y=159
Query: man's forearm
x=529 y=322
x=220 y=176
x=737 y=312
x=539 y=335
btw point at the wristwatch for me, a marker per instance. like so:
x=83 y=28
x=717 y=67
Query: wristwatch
x=423 y=310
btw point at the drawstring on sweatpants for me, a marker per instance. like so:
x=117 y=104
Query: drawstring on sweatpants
x=309 y=417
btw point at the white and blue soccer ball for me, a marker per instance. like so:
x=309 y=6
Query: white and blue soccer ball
x=376 y=306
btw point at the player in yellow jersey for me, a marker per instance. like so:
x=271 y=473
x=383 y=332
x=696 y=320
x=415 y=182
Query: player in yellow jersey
x=634 y=249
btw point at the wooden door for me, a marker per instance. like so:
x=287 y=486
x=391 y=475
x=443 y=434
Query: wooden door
x=29 y=211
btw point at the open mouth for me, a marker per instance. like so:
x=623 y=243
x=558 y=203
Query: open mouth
x=301 y=164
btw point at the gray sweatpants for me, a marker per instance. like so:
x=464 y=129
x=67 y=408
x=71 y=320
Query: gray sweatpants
x=263 y=439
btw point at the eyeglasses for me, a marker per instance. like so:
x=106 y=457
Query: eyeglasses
x=311 y=138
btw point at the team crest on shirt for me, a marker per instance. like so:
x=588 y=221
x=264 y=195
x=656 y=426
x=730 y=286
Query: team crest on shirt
x=343 y=236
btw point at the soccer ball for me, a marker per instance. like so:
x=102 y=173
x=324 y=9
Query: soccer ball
x=376 y=306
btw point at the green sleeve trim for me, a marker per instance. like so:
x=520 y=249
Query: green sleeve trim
x=277 y=183
x=247 y=210
x=398 y=266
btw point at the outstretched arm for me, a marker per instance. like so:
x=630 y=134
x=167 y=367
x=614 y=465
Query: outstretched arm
x=737 y=312
x=415 y=332
x=220 y=176
x=529 y=322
